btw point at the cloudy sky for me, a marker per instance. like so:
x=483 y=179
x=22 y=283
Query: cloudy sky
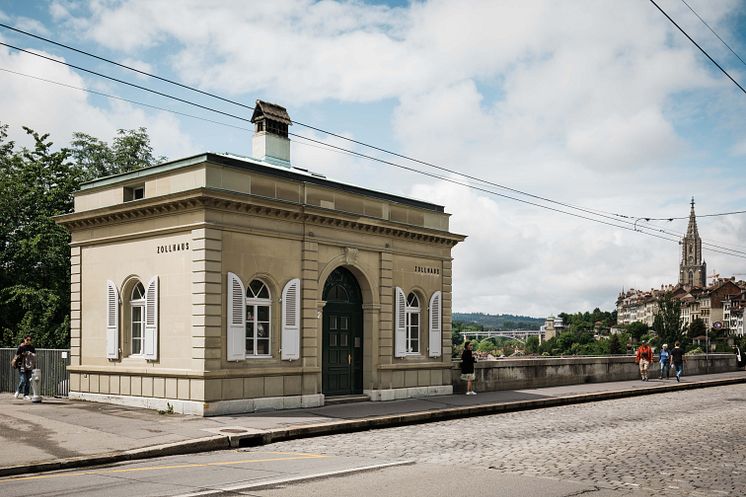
x=601 y=105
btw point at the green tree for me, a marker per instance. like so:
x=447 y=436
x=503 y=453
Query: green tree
x=637 y=329
x=130 y=150
x=668 y=327
x=532 y=345
x=697 y=328
x=615 y=346
x=37 y=184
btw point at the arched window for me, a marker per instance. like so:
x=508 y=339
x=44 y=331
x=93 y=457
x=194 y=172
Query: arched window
x=258 y=304
x=413 y=323
x=137 y=319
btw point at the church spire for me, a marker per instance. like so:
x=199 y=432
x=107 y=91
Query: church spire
x=691 y=230
x=692 y=269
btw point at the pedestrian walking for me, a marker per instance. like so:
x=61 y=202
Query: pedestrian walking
x=644 y=357
x=25 y=362
x=678 y=359
x=665 y=359
x=467 y=368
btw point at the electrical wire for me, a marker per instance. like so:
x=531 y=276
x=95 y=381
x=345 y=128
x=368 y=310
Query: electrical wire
x=116 y=97
x=713 y=32
x=143 y=88
x=602 y=214
x=646 y=218
x=326 y=132
x=128 y=83
x=299 y=123
x=700 y=48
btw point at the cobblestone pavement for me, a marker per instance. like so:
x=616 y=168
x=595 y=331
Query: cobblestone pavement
x=688 y=443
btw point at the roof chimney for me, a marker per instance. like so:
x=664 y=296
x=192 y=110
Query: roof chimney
x=271 y=143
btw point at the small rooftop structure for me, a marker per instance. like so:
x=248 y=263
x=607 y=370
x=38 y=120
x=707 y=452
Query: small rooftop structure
x=270 y=142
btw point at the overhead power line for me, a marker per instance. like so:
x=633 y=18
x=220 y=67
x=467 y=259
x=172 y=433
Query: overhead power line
x=599 y=214
x=698 y=46
x=308 y=126
x=122 y=99
x=713 y=32
x=299 y=123
x=318 y=144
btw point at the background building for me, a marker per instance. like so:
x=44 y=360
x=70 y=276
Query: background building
x=698 y=300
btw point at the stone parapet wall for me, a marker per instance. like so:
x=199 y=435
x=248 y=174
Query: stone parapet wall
x=515 y=374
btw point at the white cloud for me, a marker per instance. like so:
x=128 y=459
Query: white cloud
x=31 y=25
x=593 y=103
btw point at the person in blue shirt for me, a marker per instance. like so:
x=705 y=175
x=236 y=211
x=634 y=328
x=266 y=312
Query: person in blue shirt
x=665 y=360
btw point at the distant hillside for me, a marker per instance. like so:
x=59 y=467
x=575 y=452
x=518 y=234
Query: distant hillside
x=499 y=321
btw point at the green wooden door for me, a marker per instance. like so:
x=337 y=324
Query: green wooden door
x=342 y=357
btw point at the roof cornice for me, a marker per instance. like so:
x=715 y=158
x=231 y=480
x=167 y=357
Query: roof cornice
x=206 y=198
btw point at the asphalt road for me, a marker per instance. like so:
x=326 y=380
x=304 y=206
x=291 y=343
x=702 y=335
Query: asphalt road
x=689 y=443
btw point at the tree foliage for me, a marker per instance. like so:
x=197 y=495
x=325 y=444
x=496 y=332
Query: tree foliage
x=130 y=150
x=637 y=329
x=593 y=322
x=667 y=323
x=37 y=184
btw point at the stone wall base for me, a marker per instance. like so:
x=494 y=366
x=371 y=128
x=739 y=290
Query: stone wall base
x=214 y=408
x=407 y=393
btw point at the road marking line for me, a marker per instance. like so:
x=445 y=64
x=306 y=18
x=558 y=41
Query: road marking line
x=295 y=479
x=172 y=466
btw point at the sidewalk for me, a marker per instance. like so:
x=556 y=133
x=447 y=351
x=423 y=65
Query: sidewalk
x=60 y=433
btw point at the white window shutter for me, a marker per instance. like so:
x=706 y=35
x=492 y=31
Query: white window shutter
x=290 y=341
x=236 y=321
x=112 y=321
x=400 y=322
x=150 y=351
x=436 y=328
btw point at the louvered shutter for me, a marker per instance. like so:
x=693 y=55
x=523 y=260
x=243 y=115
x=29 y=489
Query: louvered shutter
x=112 y=321
x=400 y=322
x=236 y=321
x=150 y=351
x=290 y=340
x=436 y=328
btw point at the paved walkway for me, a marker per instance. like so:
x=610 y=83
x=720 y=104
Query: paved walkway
x=59 y=433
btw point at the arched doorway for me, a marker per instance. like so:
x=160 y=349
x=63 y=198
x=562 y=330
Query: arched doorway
x=342 y=335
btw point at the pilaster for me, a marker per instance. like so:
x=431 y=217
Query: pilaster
x=208 y=338
x=75 y=268
x=310 y=341
x=386 y=323
x=446 y=303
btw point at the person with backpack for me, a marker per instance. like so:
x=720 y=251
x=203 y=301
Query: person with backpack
x=25 y=363
x=664 y=358
x=644 y=357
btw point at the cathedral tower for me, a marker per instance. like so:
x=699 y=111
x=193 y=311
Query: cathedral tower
x=692 y=269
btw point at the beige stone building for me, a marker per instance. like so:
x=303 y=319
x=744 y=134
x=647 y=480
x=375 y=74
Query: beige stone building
x=222 y=284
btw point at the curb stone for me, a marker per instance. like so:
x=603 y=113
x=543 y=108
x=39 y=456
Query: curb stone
x=207 y=444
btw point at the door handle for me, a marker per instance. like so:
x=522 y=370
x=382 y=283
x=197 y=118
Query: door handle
x=349 y=359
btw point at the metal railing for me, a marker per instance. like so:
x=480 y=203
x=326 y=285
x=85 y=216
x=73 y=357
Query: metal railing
x=55 y=380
